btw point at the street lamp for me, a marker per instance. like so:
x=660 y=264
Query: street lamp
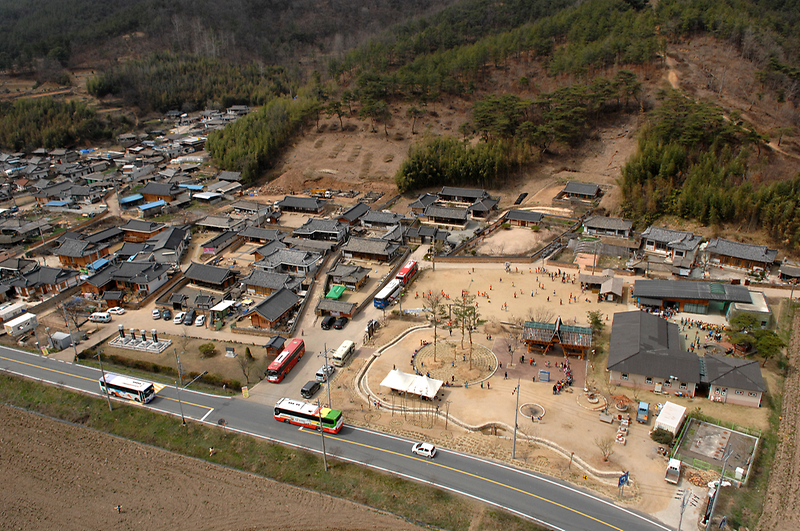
x=103 y=376
x=327 y=376
x=178 y=391
x=322 y=434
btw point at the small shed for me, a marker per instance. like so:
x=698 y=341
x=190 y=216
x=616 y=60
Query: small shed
x=275 y=345
x=61 y=340
x=671 y=418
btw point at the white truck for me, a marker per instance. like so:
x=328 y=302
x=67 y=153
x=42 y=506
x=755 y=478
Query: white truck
x=673 y=474
x=20 y=325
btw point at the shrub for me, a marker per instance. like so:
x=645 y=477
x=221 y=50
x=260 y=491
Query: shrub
x=506 y=226
x=662 y=436
x=208 y=350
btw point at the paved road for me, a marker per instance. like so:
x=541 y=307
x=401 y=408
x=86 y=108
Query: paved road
x=548 y=501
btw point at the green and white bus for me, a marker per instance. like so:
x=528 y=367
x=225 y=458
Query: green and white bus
x=308 y=415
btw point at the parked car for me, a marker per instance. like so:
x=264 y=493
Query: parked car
x=166 y=314
x=327 y=322
x=324 y=373
x=424 y=450
x=179 y=317
x=156 y=314
x=189 y=318
x=310 y=389
x=200 y=321
x=116 y=310
x=340 y=323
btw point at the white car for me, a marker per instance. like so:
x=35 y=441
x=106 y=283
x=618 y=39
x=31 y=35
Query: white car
x=178 y=319
x=156 y=314
x=200 y=321
x=116 y=310
x=324 y=373
x=424 y=450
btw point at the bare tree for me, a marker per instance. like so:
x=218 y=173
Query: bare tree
x=436 y=248
x=513 y=337
x=73 y=310
x=541 y=314
x=605 y=445
x=246 y=363
x=434 y=303
x=463 y=309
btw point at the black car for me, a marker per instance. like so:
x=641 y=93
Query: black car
x=310 y=389
x=340 y=323
x=189 y=318
x=327 y=322
x=166 y=314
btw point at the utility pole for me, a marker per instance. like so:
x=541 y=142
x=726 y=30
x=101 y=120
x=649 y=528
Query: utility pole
x=516 y=416
x=327 y=376
x=322 y=434
x=178 y=391
x=725 y=455
x=105 y=383
x=178 y=361
x=69 y=329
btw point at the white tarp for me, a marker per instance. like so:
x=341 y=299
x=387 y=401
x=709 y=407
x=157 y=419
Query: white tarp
x=671 y=418
x=409 y=383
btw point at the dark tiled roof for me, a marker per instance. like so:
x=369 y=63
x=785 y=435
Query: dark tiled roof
x=353 y=213
x=484 y=205
x=112 y=295
x=221 y=239
x=374 y=246
x=43 y=276
x=104 y=235
x=277 y=304
x=274 y=281
x=581 y=188
x=349 y=273
x=261 y=234
x=207 y=273
x=269 y=248
x=436 y=211
x=676 y=239
x=602 y=222
x=743 y=251
x=74 y=248
x=424 y=201
x=524 y=215
x=644 y=344
x=230 y=176
x=169 y=239
x=137 y=225
x=381 y=218
x=302 y=203
x=466 y=193
x=161 y=189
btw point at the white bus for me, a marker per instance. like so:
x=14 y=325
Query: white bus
x=308 y=415
x=127 y=388
x=343 y=353
x=387 y=295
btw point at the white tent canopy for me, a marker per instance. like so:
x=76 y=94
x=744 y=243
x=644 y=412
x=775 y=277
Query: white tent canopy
x=409 y=383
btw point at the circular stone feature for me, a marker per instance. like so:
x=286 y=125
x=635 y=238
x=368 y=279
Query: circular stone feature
x=452 y=364
x=531 y=410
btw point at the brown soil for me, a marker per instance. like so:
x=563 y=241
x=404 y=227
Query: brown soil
x=68 y=477
x=783 y=492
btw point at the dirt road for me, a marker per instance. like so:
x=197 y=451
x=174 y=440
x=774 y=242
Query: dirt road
x=783 y=493
x=60 y=476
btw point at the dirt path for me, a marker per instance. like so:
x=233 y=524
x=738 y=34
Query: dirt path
x=672 y=74
x=68 y=477
x=783 y=493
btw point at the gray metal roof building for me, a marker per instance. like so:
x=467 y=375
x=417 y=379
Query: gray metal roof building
x=657 y=292
x=642 y=343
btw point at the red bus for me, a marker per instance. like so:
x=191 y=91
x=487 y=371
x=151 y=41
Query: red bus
x=407 y=273
x=287 y=359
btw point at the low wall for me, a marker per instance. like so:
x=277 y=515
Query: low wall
x=52 y=302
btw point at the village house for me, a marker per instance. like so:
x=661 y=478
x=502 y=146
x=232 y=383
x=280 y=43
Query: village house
x=309 y=205
x=221 y=223
x=422 y=202
x=79 y=253
x=447 y=216
x=675 y=244
x=169 y=246
x=206 y=276
x=351 y=276
x=352 y=215
x=380 y=219
x=261 y=282
x=465 y=196
x=275 y=310
x=43 y=280
x=690 y=296
x=259 y=235
x=220 y=242
x=160 y=191
x=371 y=249
x=138 y=231
x=580 y=191
x=603 y=226
x=292 y=261
x=275 y=345
x=426 y=234
x=524 y=218
x=322 y=229
x=483 y=208
x=143 y=277
x=736 y=255
x=267 y=249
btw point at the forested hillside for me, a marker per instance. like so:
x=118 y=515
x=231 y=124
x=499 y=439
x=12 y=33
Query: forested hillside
x=267 y=30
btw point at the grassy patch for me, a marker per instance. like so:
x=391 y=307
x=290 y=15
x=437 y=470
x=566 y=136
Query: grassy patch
x=410 y=500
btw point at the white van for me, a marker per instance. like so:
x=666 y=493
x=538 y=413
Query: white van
x=100 y=317
x=343 y=353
